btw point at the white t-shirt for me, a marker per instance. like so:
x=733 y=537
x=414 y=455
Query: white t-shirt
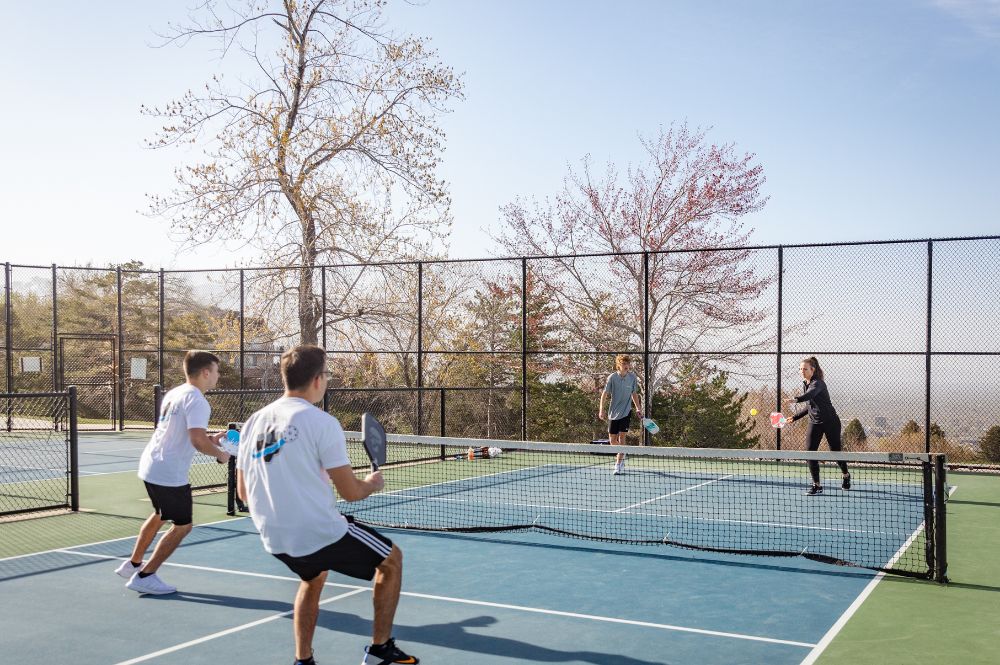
x=167 y=457
x=285 y=450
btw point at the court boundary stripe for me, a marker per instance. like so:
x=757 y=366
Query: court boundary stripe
x=228 y=631
x=480 y=603
x=680 y=491
x=839 y=624
x=68 y=549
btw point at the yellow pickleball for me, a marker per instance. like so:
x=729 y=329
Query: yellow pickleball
x=753 y=412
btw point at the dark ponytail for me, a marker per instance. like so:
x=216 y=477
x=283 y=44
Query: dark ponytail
x=817 y=370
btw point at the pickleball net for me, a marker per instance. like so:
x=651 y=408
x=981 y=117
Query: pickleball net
x=750 y=502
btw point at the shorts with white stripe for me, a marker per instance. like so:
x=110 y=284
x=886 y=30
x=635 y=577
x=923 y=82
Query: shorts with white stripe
x=357 y=554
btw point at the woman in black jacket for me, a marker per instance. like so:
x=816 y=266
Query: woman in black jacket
x=823 y=419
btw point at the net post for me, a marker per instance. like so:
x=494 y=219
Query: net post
x=940 y=509
x=74 y=452
x=231 y=487
x=930 y=526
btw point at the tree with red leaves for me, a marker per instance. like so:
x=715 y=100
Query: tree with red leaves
x=683 y=206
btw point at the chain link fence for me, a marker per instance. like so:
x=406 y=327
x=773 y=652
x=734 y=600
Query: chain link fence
x=520 y=348
x=38 y=452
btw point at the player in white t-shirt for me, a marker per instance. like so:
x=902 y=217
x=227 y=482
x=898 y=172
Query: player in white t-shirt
x=181 y=429
x=291 y=450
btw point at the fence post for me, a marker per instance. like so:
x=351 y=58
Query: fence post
x=524 y=349
x=74 y=452
x=8 y=342
x=322 y=288
x=242 y=328
x=646 y=399
x=157 y=401
x=781 y=274
x=420 y=347
x=242 y=411
x=442 y=427
x=443 y=415
x=120 y=393
x=55 y=333
x=159 y=346
x=927 y=382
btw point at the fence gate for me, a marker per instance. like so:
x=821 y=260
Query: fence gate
x=90 y=362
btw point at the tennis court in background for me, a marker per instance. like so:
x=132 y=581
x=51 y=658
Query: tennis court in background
x=489 y=598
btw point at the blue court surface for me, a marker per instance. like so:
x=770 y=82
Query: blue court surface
x=483 y=599
x=520 y=597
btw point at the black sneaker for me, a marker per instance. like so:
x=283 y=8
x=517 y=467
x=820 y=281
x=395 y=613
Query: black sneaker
x=388 y=653
x=814 y=490
x=847 y=482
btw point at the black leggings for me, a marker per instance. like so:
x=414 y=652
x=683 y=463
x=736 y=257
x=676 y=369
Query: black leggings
x=814 y=434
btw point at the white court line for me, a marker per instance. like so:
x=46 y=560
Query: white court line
x=817 y=651
x=68 y=550
x=101 y=451
x=228 y=631
x=482 y=603
x=664 y=496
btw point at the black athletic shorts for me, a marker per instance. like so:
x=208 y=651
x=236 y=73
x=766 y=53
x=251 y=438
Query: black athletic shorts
x=172 y=504
x=620 y=425
x=357 y=554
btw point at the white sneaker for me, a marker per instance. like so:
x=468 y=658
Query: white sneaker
x=151 y=584
x=618 y=468
x=126 y=570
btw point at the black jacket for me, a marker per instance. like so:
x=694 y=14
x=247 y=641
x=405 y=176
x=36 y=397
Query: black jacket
x=820 y=407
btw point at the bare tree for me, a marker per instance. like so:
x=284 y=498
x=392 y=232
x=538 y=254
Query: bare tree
x=327 y=154
x=688 y=196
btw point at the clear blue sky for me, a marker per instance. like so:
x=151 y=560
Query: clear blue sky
x=875 y=119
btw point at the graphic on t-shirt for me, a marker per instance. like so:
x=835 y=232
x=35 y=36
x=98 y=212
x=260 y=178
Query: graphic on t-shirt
x=167 y=410
x=269 y=444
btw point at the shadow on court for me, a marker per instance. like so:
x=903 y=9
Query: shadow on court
x=457 y=634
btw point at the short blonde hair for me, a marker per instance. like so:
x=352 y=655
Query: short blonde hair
x=622 y=358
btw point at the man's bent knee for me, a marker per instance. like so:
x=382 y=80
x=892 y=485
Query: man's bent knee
x=393 y=562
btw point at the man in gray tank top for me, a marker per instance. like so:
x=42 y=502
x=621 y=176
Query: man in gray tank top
x=622 y=390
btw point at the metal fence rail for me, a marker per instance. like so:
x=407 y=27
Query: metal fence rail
x=519 y=347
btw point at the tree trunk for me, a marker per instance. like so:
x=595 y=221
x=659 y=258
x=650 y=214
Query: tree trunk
x=309 y=309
